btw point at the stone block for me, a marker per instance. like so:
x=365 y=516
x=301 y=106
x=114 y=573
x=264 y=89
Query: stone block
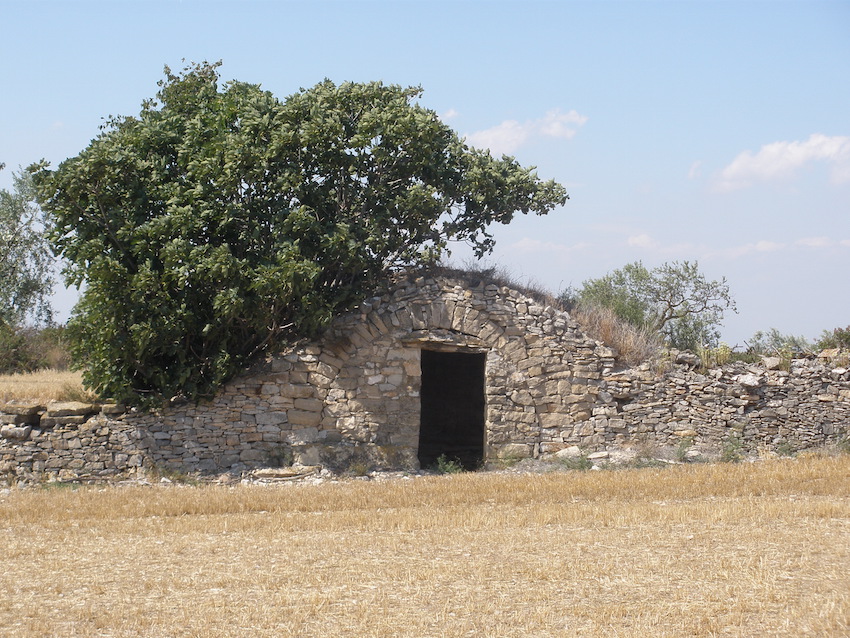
x=307 y=456
x=580 y=413
x=302 y=417
x=303 y=436
x=320 y=380
x=280 y=364
x=16 y=432
x=685 y=433
x=252 y=456
x=71 y=408
x=19 y=419
x=514 y=451
x=22 y=409
x=583 y=429
x=309 y=405
x=554 y=420
x=571 y=452
x=271 y=418
x=522 y=397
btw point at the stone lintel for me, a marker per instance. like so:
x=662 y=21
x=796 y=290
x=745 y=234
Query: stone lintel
x=440 y=339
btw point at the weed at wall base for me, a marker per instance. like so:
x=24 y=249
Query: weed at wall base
x=581 y=463
x=445 y=465
x=682 y=449
x=733 y=450
x=785 y=449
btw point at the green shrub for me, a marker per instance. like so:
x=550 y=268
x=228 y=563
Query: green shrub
x=733 y=450
x=14 y=353
x=26 y=349
x=445 y=465
x=714 y=357
x=682 y=449
x=837 y=338
x=785 y=449
x=774 y=343
x=581 y=463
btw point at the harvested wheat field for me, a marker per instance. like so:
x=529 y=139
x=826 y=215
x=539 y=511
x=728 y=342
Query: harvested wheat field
x=43 y=386
x=752 y=549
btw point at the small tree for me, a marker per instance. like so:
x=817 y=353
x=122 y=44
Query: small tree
x=222 y=221
x=25 y=261
x=774 y=342
x=675 y=300
x=836 y=338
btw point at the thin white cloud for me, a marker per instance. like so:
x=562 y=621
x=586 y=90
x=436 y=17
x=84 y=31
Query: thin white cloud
x=563 y=125
x=815 y=242
x=782 y=159
x=508 y=136
x=765 y=246
x=449 y=115
x=695 y=170
x=759 y=247
x=642 y=241
x=502 y=139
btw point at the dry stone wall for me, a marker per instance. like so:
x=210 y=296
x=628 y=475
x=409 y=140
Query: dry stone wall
x=353 y=398
x=756 y=407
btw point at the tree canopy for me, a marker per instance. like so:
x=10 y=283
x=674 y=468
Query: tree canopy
x=223 y=221
x=26 y=278
x=674 y=299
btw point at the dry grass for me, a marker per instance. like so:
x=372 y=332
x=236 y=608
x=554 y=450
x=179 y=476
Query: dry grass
x=741 y=550
x=634 y=345
x=43 y=386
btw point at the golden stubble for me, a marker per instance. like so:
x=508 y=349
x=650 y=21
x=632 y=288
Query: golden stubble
x=42 y=386
x=741 y=550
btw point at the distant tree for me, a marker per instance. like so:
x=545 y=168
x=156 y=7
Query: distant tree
x=836 y=338
x=774 y=342
x=674 y=299
x=222 y=222
x=25 y=260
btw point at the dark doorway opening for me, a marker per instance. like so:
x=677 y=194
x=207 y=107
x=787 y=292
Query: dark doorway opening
x=452 y=408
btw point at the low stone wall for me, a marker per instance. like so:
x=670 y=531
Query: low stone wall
x=753 y=407
x=758 y=409
x=353 y=398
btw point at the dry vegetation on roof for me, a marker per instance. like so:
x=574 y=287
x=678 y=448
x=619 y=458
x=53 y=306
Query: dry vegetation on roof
x=743 y=550
x=475 y=274
x=634 y=344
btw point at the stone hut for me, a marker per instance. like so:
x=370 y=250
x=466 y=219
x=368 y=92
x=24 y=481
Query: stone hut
x=435 y=366
x=441 y=366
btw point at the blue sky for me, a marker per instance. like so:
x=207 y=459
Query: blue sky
x=708 y=131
